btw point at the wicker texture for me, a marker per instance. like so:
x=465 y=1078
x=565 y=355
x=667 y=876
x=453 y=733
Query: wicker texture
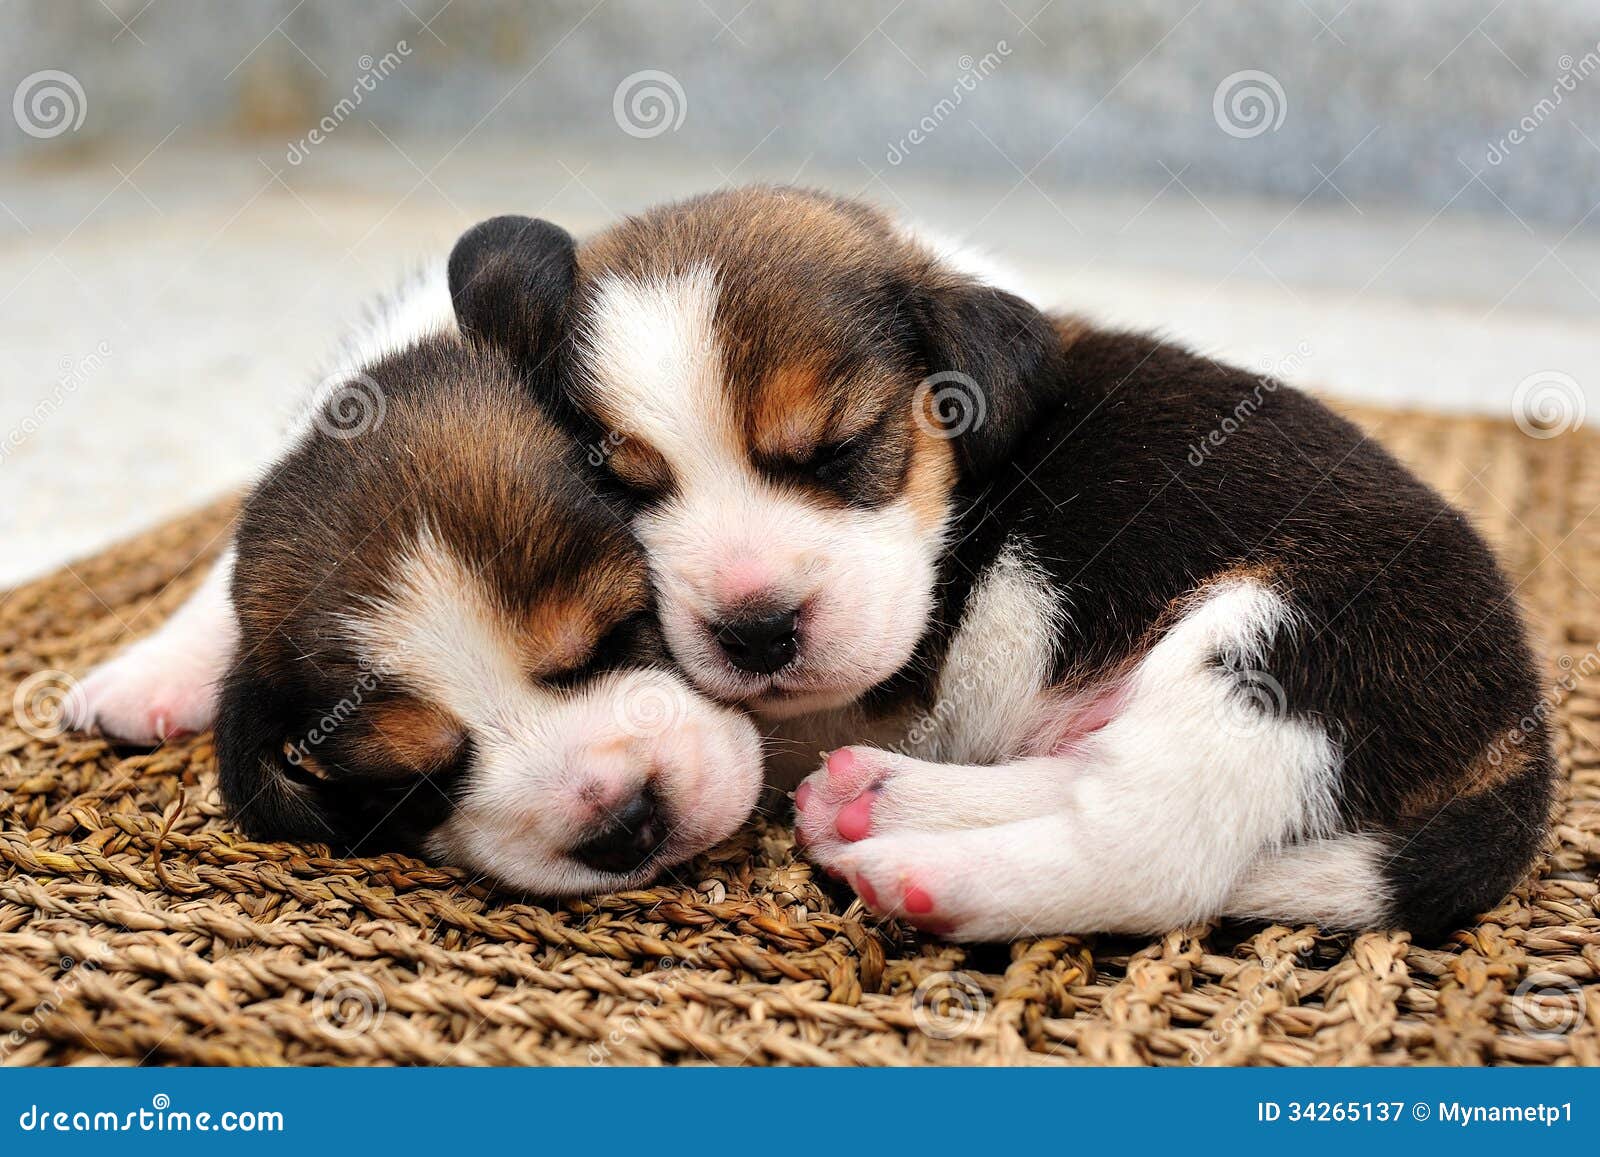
x=135 y=925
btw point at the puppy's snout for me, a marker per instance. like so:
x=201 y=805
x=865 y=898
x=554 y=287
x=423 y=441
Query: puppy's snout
x=762 y=642
x=627 y=837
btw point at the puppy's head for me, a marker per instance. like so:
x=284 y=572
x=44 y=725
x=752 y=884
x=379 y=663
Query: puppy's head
x=792 y=388
x=447 y=642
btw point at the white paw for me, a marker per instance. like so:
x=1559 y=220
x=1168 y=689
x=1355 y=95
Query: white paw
x=868 y=817
x=154 y=691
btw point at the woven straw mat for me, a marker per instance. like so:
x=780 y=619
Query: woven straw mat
x=137 y=926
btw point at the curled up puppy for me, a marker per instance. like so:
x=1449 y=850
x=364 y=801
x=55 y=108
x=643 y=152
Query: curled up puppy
x=430 y=633
x=1084 y=684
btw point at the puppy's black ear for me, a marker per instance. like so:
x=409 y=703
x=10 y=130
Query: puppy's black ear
x=990 y=364
x=266 y=794
x=510 y=279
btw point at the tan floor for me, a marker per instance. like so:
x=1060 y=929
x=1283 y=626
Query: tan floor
x=190 y=945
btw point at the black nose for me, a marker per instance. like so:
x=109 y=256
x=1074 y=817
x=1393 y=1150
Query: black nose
x=631 y=835
x=760 y=643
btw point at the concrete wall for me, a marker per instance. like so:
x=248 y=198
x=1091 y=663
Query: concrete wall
x=1400 y=102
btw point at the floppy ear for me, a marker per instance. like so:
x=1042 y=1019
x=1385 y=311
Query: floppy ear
x=273 y=794
x=510 y=279
x=991 y=369
x=266 y=794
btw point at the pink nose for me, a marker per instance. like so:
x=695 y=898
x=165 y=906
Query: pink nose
x=743 y=581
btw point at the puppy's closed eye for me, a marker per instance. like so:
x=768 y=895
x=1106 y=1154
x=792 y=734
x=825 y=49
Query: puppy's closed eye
x=831 y=463
x=629 y=637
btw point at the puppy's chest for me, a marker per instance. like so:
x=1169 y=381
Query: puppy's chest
x=991 y=701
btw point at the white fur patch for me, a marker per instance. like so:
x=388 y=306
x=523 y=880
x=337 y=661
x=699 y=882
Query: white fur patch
x=987 y=697
x=1336 y=882
x=439 y=631
x=654 y=357
x=862 y=579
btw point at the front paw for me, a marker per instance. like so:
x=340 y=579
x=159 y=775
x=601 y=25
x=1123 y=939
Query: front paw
x=836 y=803
x=844 y=810
x=144 y=697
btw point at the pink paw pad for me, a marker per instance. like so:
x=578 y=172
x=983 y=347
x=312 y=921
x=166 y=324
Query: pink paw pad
x=841 y=763
x=919 y=909
x=854 y=820
x=802 y=796
x=864 y=890
x=916 y=901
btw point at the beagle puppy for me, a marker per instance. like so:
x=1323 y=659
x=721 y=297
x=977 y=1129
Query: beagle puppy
x=430 y=631
x=1105 y=635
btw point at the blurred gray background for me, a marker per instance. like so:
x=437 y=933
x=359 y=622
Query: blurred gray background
x=1394 y=202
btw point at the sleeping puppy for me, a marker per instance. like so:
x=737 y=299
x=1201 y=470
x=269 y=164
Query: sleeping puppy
x=1131 y=638
x=439 y=637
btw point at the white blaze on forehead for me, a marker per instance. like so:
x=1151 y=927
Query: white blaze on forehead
x=440 y=631
x=655 y=365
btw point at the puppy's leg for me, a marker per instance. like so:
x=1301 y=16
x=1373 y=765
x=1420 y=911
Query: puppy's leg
x=1149 y=823
x=165 y=685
